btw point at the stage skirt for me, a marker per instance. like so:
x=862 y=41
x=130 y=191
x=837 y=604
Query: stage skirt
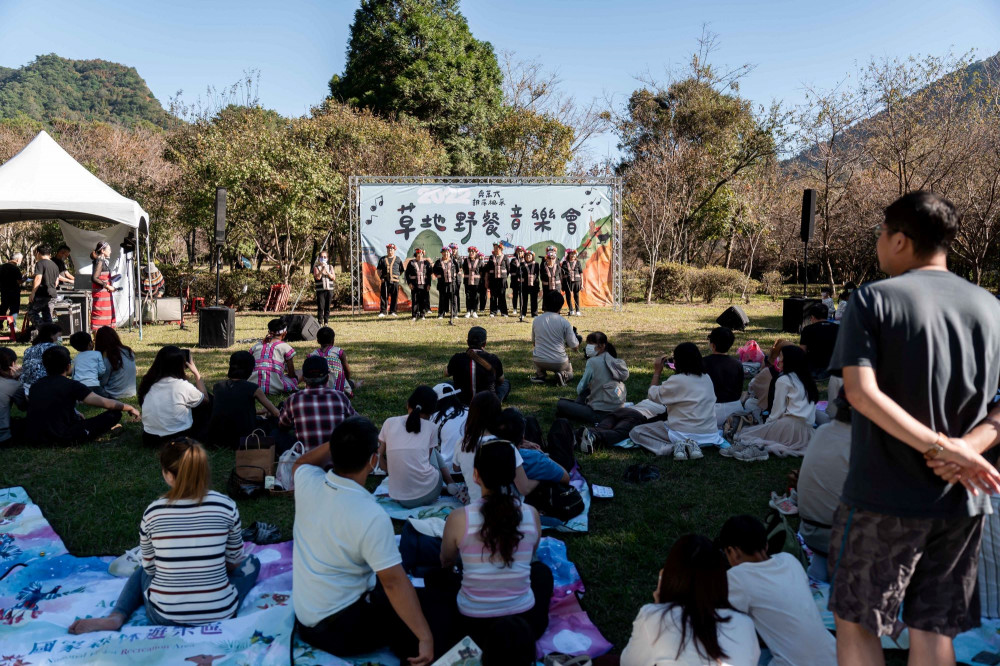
x=103 y=313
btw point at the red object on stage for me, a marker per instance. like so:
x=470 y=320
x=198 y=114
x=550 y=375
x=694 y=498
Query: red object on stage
x=103 y=313
x=197 y=302
x=277 y=299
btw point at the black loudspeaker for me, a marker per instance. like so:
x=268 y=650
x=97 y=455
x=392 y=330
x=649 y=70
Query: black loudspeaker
x=220 y=216
x=216 y=327
x=300 y=327
x=734 y=318
x=808 y=215
x=794 y=312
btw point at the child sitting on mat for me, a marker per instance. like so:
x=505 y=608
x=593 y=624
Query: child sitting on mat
x=88 y=366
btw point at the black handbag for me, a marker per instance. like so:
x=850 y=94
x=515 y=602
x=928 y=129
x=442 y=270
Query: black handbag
x=246 y=482
x=558 y=500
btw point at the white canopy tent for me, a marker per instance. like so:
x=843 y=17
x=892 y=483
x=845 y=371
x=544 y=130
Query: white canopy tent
x=44 y=182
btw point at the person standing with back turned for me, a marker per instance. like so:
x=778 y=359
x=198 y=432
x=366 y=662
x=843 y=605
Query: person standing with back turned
x=920 y=356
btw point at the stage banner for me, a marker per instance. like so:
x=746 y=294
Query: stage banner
x=535 y=216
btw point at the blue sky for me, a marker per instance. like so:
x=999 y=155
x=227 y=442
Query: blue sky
x=598 y=48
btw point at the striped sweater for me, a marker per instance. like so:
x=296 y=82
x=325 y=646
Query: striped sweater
x=185 y=547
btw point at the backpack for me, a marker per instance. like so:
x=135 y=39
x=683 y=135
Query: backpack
x=735 y=423
x=781 y=538
x=557 y=500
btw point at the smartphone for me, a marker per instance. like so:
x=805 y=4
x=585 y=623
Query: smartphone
x=187 y=355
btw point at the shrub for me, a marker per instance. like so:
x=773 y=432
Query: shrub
x=711 y=281
x=772 y=284
x=672 y=281
x=634 y=284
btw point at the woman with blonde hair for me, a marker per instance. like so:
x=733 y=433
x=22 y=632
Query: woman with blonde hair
x=193 y=569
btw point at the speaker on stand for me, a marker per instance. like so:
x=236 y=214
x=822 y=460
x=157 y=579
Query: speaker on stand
x=217 y=325
x=806 y=232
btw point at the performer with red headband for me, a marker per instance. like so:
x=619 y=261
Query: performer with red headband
x=472 y=265
x=515 y=277
x=529 y=284
x=389 y=268
x=499 y=269
x=572 y=279
x=447 y=274
x=418 y=276
x=550 y=273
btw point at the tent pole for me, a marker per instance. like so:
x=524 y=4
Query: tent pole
x=149 y=276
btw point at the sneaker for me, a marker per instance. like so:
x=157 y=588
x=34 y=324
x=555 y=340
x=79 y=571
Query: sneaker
x=381 y=314
x=587 y=441
x=262 y=533
x=125 y=564
x=693 y=450
x=378 y=471
x=536 y=380
x=730 y=451
x=783 y=504
x=751 y=453
x=394 y=314
x=520 y=319
x=680 y=452
x=492 y=314
x=560 y=379
x=468 y=314
x=475 y=316
x=579 y=314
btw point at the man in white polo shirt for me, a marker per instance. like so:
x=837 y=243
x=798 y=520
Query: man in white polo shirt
x=350 y=593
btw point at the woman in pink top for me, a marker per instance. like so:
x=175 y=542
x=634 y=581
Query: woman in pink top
x=407 y=451
x=503 y=603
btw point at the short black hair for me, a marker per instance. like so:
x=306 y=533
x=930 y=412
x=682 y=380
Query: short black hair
x=63 y=247
x=552 y=301
x=55 y=360
x=325 y=336
x=352 y=444
x=723 y=338
x=276 y=325
x=47 y=333
x=743 y=532
x=687 y=360
x=80 y=341
x=476 y=337
x=819 y=311
x=512 y=425
x=929 y=220
x=43 y=249
x=241 y=365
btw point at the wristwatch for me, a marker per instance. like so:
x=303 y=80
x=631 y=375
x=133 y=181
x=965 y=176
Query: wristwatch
x=936 y=448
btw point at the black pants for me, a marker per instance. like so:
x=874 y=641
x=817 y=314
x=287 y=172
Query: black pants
x=10 y=302
x=482 y=295
x=86 y=430
x=390 y=293
x=499 y=637
x=578 y=410
x=515 y=294
x=420 y=301
x=614 y=427
x=498 y=297
x=529 y=291
x=573 y=297
x=447 y=299
x=471 y=297
x=42 y=311
x=323 y=298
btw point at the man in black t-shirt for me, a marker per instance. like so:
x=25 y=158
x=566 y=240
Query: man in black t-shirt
x=818 y=340
x=10 y=287
x=474 y=371
x=52 y=417
x=920 y=355
x=726 y=373
x=59 y=259
x=41 y=303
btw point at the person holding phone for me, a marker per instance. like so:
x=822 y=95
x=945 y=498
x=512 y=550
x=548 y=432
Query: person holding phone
x=173 y=407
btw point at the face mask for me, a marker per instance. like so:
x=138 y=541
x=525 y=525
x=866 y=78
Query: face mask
x=590 y=350
x=322 y=260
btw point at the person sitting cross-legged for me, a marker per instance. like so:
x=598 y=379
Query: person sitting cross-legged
x=312 y=413
x=194 y=570
x=52 y=415
x=476 y=370
x=726 y=373
x=234 y=405
x=818 y=340
x=602 y=388
x=340 y=371
x=173 y=406
x=350 y=592
x=275 y=365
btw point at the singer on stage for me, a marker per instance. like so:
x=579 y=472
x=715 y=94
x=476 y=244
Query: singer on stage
x=103 y=312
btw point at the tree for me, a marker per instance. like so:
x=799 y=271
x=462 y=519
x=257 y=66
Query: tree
x=527 y=143
x=417 y=58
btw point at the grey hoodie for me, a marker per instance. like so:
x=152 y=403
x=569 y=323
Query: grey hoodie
x=607 y=387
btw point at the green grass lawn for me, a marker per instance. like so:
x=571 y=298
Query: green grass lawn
x=94 y=494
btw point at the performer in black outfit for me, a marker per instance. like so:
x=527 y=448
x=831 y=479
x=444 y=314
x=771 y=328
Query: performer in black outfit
x=471 y=267
x=529 y=284
x=515 y=277
x=447 y=274
x=572 y=279
x=484 y=279
x=550 y=274
x=388 y=269
x=418 y=276
x=499 y=269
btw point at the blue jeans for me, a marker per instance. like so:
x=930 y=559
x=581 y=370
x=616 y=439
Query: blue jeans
x=133 y=595
x=818 y=568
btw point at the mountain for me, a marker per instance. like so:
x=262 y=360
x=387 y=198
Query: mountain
x=51 y=87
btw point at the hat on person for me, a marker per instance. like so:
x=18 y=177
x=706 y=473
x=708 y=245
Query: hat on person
x=446 y=249
x=482 y=256
x=390 y=246
x=276 y=326
x=571 y=251
x=473 y=250
x=529 y=252
x=477 y=336
x=550 y=253
x=315 y=367
x=519 y=248
x=498 y=244
x=453 y=246
x=419 y=250
x=550 y=248
x=445 y=390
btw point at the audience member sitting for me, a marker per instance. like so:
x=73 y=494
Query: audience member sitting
x=725 y=372
x=826 y=298
x=340 y=371
x=616 y=426
x=774 y=592
x=47 y=336
x=602 y=388
x=844 y=298
x=476 y=370
x=538 y=465
x=689 y=397
x=194 y=570
x=339 y=607
x=758 y=390
x=495 y=537
x=482 y=424
x=52 y=415
x=821 y=480
x=234 y=405
x=173 y=407
x=312 y=413
x=988 y=572
x=118 y=380
x=11 y=392
x=818 y=340
x=551 y=335
x=793 y=408
x=88 y=366
x=275 y=369
x=408 y=452
x=449 y=420
x=690 y=622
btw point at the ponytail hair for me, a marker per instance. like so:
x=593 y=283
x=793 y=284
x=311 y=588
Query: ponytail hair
x=101 y=246
x=187 y=460
x=601 y=338
x=501 y=509
x=422 y=402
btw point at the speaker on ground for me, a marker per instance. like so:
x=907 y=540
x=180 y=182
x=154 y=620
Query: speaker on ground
x=734 y=318
x=300 y=327
x=216 y=327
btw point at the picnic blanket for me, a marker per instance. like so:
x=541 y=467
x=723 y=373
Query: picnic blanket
x=446 y=504
x=40 y=599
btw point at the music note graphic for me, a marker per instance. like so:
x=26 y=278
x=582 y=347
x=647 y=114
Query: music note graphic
x=587 y=193
x=373 y=217
x=378 y=202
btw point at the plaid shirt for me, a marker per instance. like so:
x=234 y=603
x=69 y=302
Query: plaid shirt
x=313 y=413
